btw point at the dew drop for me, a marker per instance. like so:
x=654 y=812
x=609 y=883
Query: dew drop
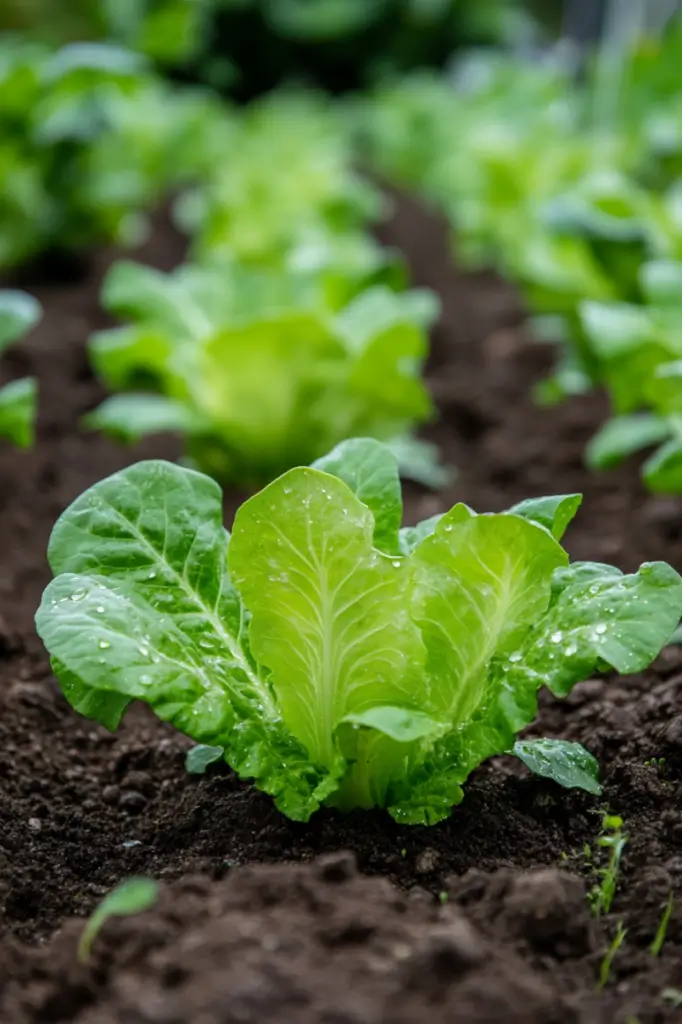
x=516 y=656
x=594 y=589
x=152 y=575
x=144 y=651
x=145 y=679
x=100 y=609
x=103 y=644
x=557 y=637
x=286 y=490
x=448 y=528
x=396 y=563
x=600 y=629
x=570 y=650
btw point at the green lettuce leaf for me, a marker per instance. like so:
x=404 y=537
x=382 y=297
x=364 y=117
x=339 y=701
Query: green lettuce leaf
x=623 y=436
x=328 y=612
x=371 y=472
x=18 y=411
x=131 y=417
x=143 y=608
x=567 y=763
x=598 y=617
x=663 y=470
x=19 y=312
x=553 y=513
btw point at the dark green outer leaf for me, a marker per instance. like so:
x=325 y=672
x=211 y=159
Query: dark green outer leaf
x=200 y=757
x=567 y=763
x=144 y=609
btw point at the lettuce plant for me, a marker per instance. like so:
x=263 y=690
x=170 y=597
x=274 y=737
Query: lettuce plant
x=639 y=352
x=18 y=313
x=254 y=368
x=567 y=208
x=336 y=657
x=288 y=176
x=91 y=140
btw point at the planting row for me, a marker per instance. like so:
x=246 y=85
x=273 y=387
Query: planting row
x=575 y=193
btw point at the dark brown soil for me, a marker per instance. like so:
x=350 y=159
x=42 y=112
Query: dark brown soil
x=264 y=919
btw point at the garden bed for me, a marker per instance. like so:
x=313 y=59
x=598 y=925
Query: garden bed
x=320 y=942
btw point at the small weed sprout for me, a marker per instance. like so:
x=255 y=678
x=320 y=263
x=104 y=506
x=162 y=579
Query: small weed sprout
x=614 y=839
x=657 y=945
x=130 y=897
x=672 y=996
x=605 y=969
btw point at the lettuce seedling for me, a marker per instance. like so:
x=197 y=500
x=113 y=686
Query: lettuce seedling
x=132 y=896
x=256 y=371
x=335 y=656
x=19 y=312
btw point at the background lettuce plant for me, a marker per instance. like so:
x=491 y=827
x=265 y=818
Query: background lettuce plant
x=289 y=179
x=91 y=142
x=639 y=348
x=257 y=371
x=335 y=656
x=564 y=200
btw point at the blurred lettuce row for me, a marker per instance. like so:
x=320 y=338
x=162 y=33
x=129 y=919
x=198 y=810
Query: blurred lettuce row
x=335 y=44
x=572 y=207
x=91 y=141
x=288 y=193
x=19 y=312
x=289 y=329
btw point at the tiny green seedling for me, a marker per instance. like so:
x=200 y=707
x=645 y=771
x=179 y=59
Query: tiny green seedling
x=672 y=996
x=614 y=839
x=605 y=969
x=130 y=897
x=661 y=931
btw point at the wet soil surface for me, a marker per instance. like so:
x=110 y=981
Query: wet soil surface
x=483 y=918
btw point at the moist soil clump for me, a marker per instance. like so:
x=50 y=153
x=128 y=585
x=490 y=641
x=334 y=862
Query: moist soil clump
x=483 y=918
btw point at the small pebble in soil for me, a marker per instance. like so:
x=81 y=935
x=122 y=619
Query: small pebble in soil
x=337 y=867
x=132 y=801
x=34 y=824
x=427 y=861
x=141 y=782
x=111 y=794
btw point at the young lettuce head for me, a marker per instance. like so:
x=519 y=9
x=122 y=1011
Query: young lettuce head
x=336 y=657
x=256 y=371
